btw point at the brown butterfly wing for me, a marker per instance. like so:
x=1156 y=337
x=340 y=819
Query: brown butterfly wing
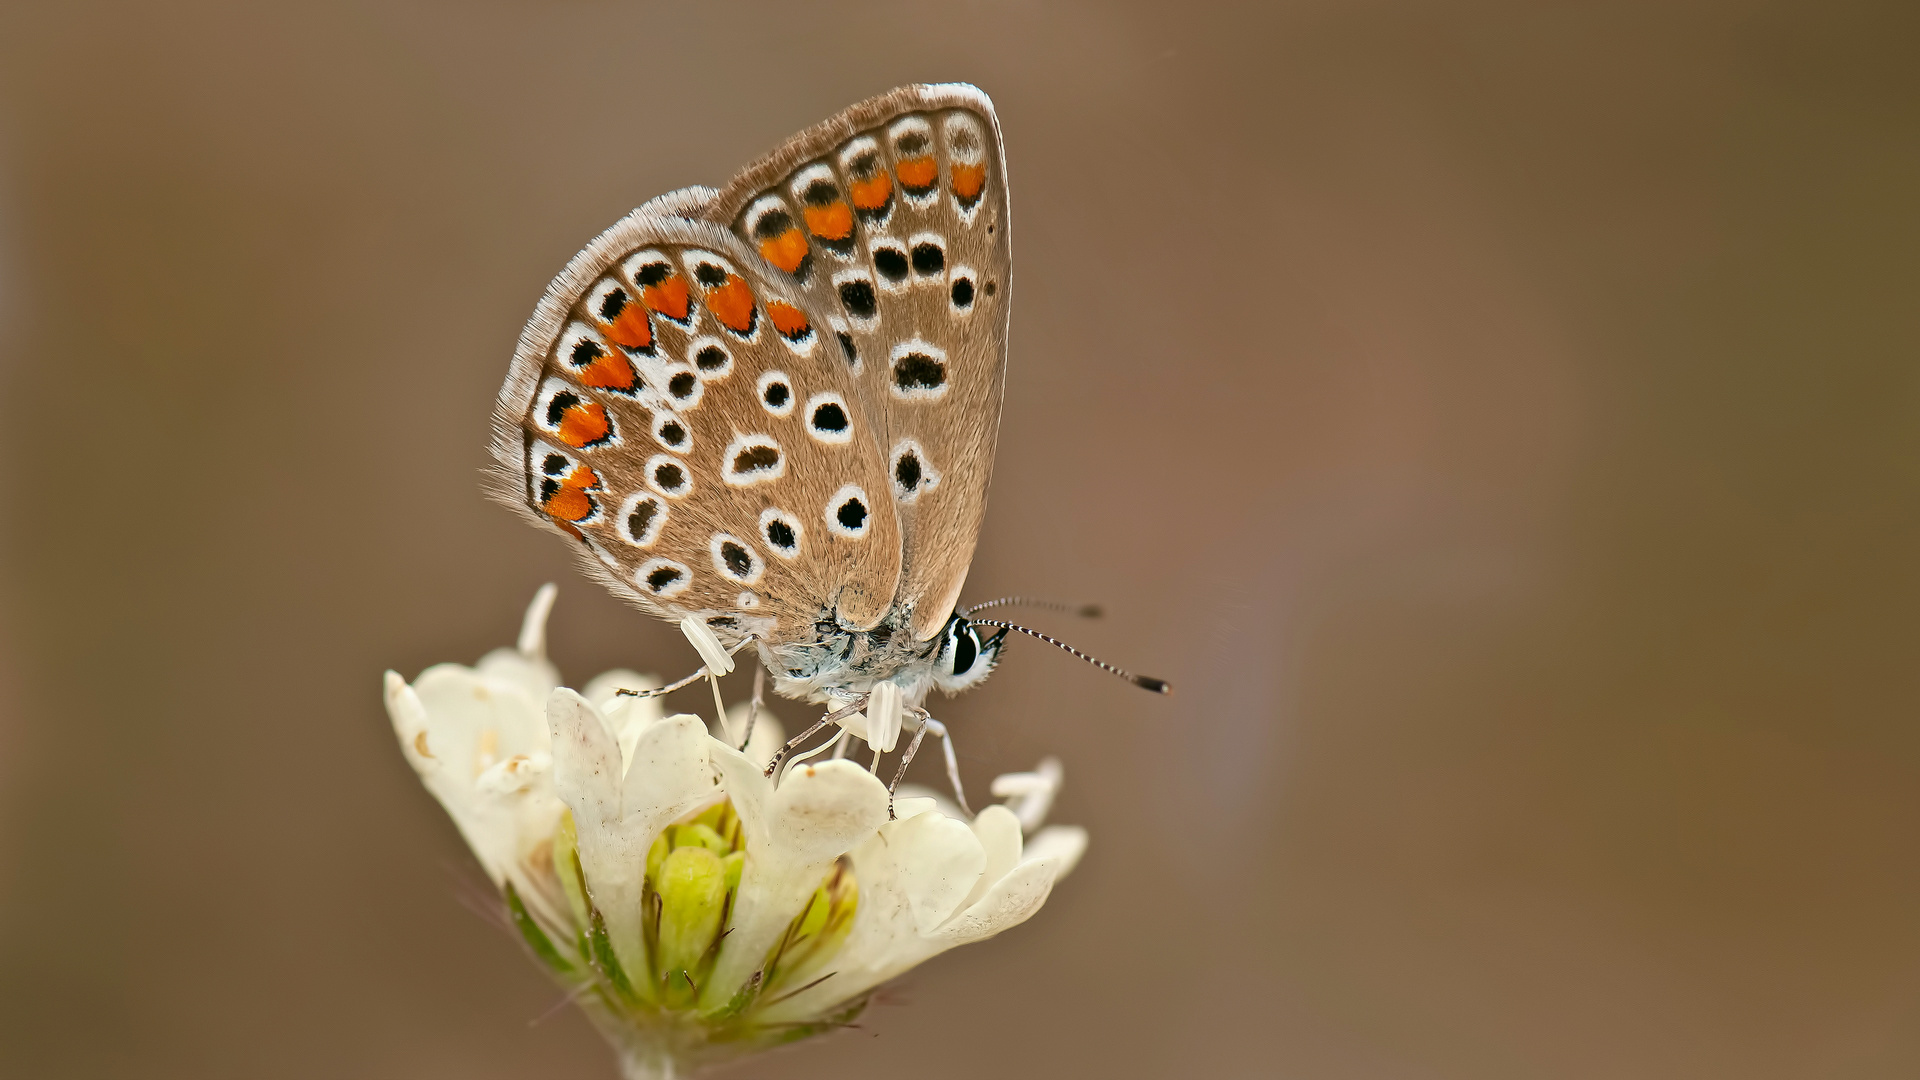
x=892 y=217
x=664 y=410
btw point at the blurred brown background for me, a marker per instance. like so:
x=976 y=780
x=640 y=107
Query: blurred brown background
x=1501 y=421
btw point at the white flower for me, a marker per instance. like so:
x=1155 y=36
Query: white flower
x=700 y=909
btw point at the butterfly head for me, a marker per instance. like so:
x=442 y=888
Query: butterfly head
x=965 y=658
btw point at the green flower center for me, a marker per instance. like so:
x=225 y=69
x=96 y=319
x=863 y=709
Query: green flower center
x=692 y=880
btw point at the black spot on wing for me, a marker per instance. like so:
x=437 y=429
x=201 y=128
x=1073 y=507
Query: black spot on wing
x=857 y=297
x=918 y=371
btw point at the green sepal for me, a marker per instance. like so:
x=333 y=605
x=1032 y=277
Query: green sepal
x=566 y=867
x=600 y=951
x=740 y=1002
x=536 y=938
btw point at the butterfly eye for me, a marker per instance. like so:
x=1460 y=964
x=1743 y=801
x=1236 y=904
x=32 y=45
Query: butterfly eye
x=966 y=649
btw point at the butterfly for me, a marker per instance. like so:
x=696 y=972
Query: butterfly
x=772 y=407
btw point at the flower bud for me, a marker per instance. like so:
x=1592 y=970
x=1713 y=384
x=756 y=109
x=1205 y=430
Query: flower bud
x=693 y=889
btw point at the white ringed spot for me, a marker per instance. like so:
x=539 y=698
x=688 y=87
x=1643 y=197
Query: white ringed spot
x=829 y=420
x=782 y=531
x=752 y=459
x=641 y=519
x=735 y=559
x=912 y=474
x=775 y=391
x=710 y=357
x=849 y=514
x=663 y=577
x=919 y=371
x=672 y=432
x=669 y=476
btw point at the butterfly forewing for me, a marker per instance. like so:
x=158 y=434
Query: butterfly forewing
x=684 y=413
x=892 y=219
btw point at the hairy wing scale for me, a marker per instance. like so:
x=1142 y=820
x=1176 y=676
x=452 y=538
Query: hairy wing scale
x=640 y=419
x=893 y=218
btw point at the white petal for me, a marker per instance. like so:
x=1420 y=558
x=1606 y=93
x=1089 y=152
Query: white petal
x=602 y=687
x=518 y=775
x=586 y=761
x=883 y=940
x=793 y=834
x=939 y=860
x=670 y=774
x=1031 y=794
x=474 y=720
x=918 y=793
x=747 y=787
x=618 y=816
x=536 y=678
x=906 y=806
x=533 y=625
x=1064 y=844
x=819 y=811
x=1007 y=903
x=999 y=833
x=409 y=718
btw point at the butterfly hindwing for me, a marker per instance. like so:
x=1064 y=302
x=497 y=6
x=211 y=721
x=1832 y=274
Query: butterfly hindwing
x=683 y=412
x=892 y=218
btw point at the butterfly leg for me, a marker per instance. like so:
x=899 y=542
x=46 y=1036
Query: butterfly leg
x=794 y=743
x=668 y=689
x=928 y=725
x=753 y=707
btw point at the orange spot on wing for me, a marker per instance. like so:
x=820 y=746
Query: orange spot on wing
x=608 y=372
x=830 y=222
x=789 y=320
x=786 y=251
x=732 y=304
x=871 y=193
x=632 y=328
x=917 y=174
x=668 y=297
x=968 y=180
x=583 y=424
x=570 y=504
